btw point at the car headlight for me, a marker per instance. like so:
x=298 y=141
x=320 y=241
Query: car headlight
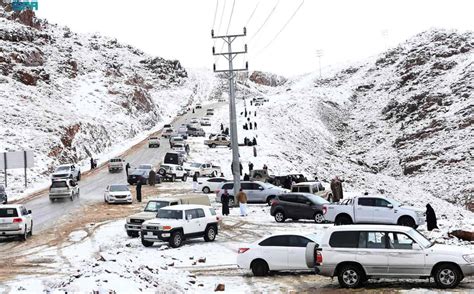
x=469 y=258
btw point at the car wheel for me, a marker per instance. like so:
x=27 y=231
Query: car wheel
x=24 y=236
x=350 y=276
x=213 y=145
x=447 y=276
x=259 y=268
x=270 y=199
x=407 y=222
x=72 y=196
x=176 y=239
x=146 y=243
x=210 y=234
x=319 y=218
x=31 y=230
x=185 y=177
x=173 y=178
x=343 y=220
x=206 y=190
x=280 y=216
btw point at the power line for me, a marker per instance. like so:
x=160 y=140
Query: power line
x=222 y=17
x=215 y=14
x=266 y=20
x=230 y=18
x=284 y=26
x=251 y=15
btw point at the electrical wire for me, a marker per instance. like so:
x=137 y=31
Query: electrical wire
x=230 y=18
x=215 y=14
x=251 y=15
x=222 y=17
x=266 y=20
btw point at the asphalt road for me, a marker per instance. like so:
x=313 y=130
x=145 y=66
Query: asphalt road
x=92 y=186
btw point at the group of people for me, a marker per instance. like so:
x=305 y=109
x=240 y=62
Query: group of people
x=241 y=198
x=248 y=142
x=93 y=163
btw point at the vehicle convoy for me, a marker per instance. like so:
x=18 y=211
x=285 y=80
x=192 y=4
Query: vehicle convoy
x=257 y=192
x=220 y=140
x=279 y=252
x=210 y=185
x=175 y=224
x=115 y=164
x=315 y=188
x=15 y=220
x=203 y=169
x=3 y=195
x=62 y=189
x=371 y=209
x=67 y=171
x=117 y=193
x=153 y=142
x=171 y=172
x=298 y=206
x=357 y=253
x=134 y=222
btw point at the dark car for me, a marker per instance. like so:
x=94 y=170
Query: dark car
x=3 y=195
x=173 y=158
x=196 y=132
x=142 y=176
x=298 y=206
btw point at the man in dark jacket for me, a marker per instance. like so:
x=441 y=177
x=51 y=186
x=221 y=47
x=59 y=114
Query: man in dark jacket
x=222 y=127
x=152 y=178
x=246 y=177
x=92 y=163
x=127 y=167
x=139 y=191
x=195 y=182
x=254 y=141
x=250 y=166
x=225 y=202
x=431 y=222
x=255 y=125
x=336 y=188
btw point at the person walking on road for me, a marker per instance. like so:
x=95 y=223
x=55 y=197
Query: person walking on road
x=152 y=178
x=92 y=163
x=242 y=198
x=127 y=167
x=431 y=222
x=225 y=202
x=336 y=188
x=195 y=182
x=139 y=191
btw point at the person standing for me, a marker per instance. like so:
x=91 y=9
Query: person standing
x=250 y=125
x=250 y=166
x=139 y=190
x=265 y=167
x=225 y=202
x=195 y=182
x=431 y=222
x=246 y=177
x=242 y=198
x=336 y=189
x=92 y=163
x=255 y=125
x=222 y=127
x=254 y=141
x=127 y=167
x=152 y=178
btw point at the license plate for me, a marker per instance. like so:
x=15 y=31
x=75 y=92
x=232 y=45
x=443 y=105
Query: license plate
x=150 y=235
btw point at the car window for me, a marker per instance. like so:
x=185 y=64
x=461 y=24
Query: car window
x=8 y=212
x=302 y=199
x=200 y=212
x=192 y=212
x=288 y=198
x=228 y=186
x=153 y=206
x=366 y=202
x=256 y=186
x=24 y=211
x=344 y=239
x=400 y=241
x=246 y=186
x=381 y=202
x=373 y=240
x=169 y=214
x=305 y=189
x=213 y=211
x=298 y=241
x=276 y=241
x=212 y=180
x=294 y=189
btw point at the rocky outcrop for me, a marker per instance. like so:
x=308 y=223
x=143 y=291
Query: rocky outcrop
x=267 y=79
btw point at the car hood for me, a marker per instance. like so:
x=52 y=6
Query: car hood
x=143 y=215
x=412 y=208
x=164 y=222
x=450 y=249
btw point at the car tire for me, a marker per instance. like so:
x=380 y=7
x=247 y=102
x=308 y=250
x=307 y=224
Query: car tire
x=184 y=178
x=270 y=199
x=343 y=220
x=24 y=236
x=30 y=233
x=280 y=216
x=176 y=239
x=318 y=218
x=173 y=178
x=206 y=190
x=407 y=222
x=259 y=268
x=447 y=276
x=213 y=145
x=146 y=243
x=350 y=276
x=210 y=233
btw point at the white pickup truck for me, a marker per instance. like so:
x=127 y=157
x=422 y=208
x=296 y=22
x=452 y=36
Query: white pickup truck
x=203 y=169
x=375 y=210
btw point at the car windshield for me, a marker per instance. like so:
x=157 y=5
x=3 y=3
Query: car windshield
x=153 y=206
x=419 y=238
x=59 y=184
x=62 y=168
x=118 y=188
x=144 y=166
x=316 y=199
x=169 y=214
x=196 y=165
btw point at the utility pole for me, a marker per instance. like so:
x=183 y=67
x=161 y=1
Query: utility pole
x=384 y=34
x=230 y=73
x=319 y=54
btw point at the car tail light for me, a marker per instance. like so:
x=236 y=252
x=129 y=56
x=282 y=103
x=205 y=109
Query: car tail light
x=319 y=257
x=325 y=209
x=275 y=202
x=167 y=228
x=17 y=220
x=242 y=250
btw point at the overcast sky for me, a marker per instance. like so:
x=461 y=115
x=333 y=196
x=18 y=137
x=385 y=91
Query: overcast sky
x=345 y=30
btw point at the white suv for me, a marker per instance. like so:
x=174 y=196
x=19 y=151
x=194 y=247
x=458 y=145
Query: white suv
x=67 y=171
x=356 y=253
x=172 y=172
x=15 y=220
x=174 y=224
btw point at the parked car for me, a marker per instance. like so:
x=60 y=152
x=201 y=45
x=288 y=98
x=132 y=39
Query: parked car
x=357 y=253
x=372 y=209
x=67 y=171
x=115 y=164
x=279 y=252
x=174 y=224
x=167 y=126
x=134 y=222
x=173 y=158
x=153 y=142
x=256 y=191
x=203 y=169
x=315 y=188
x=210 y=185
x=181 y=150
x=298 y=206
x=205 y=121
x=16 y=220
x=167 y=132
x=220 y=140
x=141 y=175
x=176 y=140
x=210 y=111
x=183 y=132
x=117 y=193
x=196 y=132
x=194 y=120
x=63 y=188
x=171 y=172
x=198 y=105
x=3 y=195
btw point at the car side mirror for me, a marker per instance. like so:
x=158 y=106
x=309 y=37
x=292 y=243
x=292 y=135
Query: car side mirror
x=189 y=217
x=29 y=211
x=260 y=188
x=416 y=246
x=390 y=206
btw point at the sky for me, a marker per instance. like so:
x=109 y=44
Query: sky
x=344 y=31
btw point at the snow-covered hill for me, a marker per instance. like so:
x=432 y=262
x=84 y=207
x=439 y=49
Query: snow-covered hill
x=69 y=96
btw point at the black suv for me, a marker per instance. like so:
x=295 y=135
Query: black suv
x=298 y=206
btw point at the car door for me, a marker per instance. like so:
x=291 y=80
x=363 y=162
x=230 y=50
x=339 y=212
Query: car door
x=26 y=216
x=192 y=222
x=373 y=252
x=364 y=211
x=258 y=192
x=248 y=189
x=297 y=252
x=404 y=258
x=382 y=213
x=274 y=251
x=305 y=207
x=290 y=205
x=202 y=221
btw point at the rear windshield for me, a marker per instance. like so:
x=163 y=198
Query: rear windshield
x=170 y=214
x=153 y=138
x=60 y=184
x=62 y=168
x=116 y=160
x=8 y=212
x=153 y=206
